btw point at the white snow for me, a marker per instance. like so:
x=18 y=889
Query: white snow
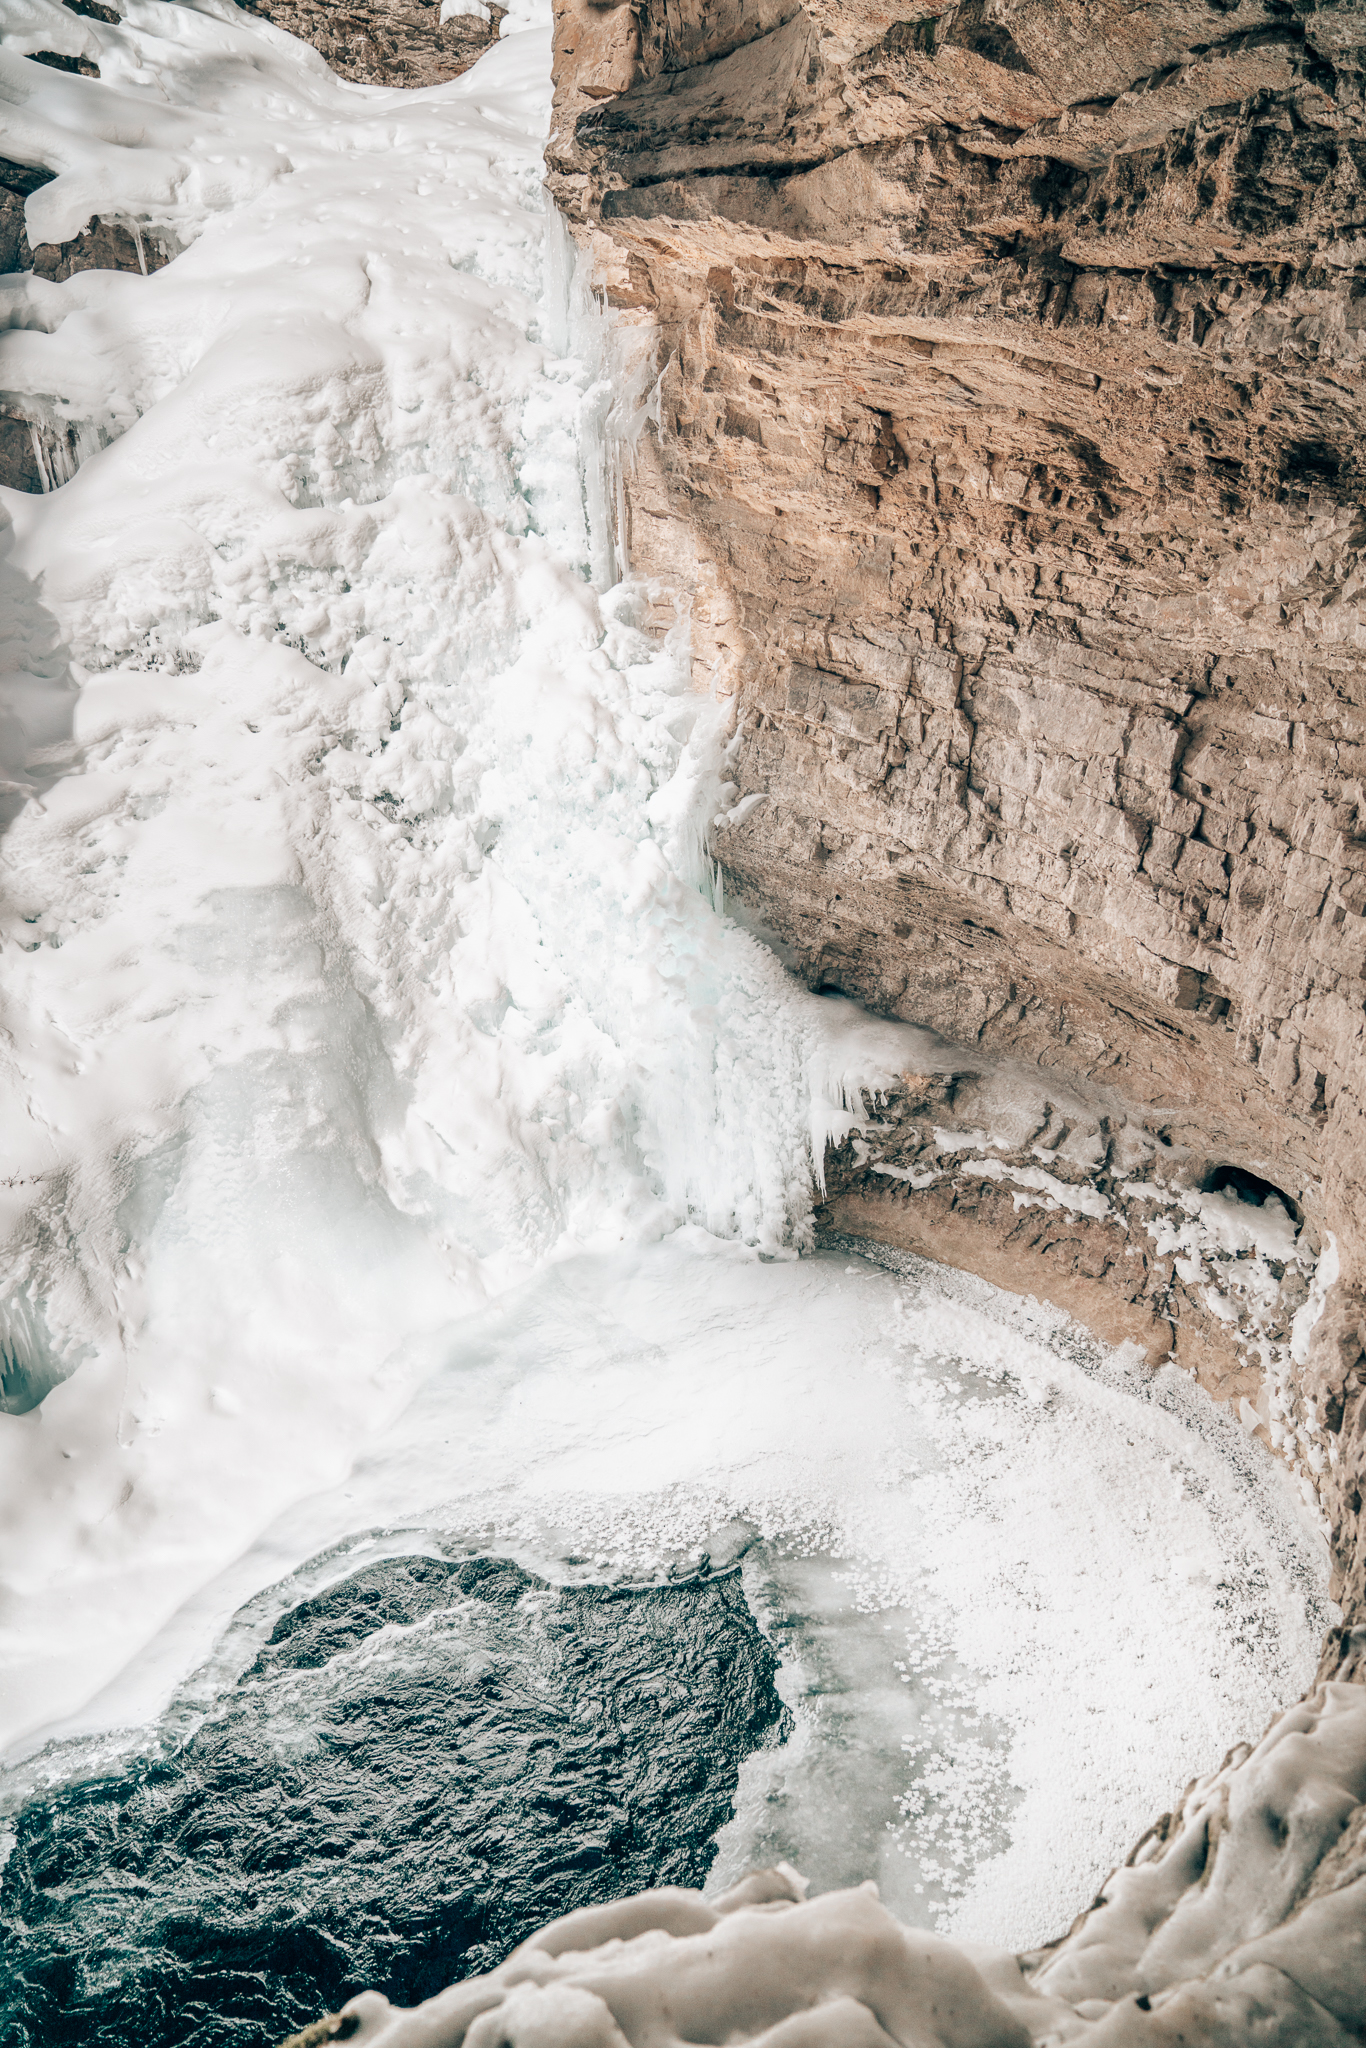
x=965 y=1141
x=1220 y=1222
x=906 y=1173
x=760 y=1965
x=395 y=1131
x=1059 y=1194
x=354 y=961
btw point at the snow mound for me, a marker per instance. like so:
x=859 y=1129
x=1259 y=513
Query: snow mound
x=1222 y=1928
x=759 y=1964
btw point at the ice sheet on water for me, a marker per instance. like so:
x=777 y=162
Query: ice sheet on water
x=1021 y=1589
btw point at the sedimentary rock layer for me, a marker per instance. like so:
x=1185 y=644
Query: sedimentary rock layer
x=1009 y=467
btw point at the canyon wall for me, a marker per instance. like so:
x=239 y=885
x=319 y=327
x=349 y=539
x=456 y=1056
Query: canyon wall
x=1009 y=469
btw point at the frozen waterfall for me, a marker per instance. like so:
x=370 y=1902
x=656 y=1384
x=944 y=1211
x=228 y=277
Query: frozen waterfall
x=404 y=1153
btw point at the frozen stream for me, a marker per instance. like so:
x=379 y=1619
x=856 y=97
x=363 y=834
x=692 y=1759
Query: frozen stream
x=402 y=1154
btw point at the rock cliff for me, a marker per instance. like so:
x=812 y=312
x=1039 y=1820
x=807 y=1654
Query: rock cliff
x=1009 y=470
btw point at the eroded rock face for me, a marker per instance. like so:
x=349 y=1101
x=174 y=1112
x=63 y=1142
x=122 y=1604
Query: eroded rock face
x=1010 y=466
x=388 y=42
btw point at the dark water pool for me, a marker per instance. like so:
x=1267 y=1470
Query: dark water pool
x=423 y=1764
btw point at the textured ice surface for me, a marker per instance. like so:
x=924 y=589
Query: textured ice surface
x=1022 y=1592
x=396 y=1135
x=355 y=954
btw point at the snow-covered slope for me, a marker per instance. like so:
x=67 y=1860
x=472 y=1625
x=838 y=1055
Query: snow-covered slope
x=362 y=969
x=355 y=960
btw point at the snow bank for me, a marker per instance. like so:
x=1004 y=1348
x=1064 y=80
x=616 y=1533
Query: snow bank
x=1220 y=1929
x=756 y=1966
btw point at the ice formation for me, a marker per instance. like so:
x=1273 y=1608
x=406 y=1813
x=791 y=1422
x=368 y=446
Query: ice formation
x=1188 y=1942
x=356 y=954
x=399 y=1136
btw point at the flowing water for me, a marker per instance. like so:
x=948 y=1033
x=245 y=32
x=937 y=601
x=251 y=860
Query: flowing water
x=407 y=1162
x=421 y=1763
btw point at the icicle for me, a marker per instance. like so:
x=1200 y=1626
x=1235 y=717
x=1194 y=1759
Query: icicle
x=622 y=396
x=40 y=456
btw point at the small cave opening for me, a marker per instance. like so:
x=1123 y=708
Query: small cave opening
x=1249 y=1187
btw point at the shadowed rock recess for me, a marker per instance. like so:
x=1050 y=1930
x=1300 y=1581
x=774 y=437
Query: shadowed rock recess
x=424 y=1763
